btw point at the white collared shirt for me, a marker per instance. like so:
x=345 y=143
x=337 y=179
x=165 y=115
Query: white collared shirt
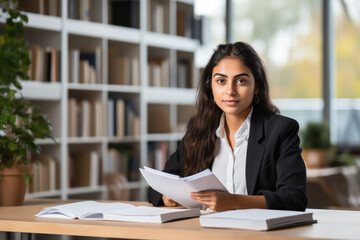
x=229 y=166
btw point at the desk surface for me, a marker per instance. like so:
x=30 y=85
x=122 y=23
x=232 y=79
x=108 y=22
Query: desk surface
x=21 y=219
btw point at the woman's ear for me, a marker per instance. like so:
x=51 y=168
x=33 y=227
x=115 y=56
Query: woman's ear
x=256 y=91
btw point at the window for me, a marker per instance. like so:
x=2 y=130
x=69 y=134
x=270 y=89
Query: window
x=287 y=34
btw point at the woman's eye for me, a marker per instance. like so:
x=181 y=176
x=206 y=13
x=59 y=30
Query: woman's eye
x=220 y=80
x=241 y=81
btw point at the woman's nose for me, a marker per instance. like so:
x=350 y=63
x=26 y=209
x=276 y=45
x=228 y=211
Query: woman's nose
x=230 y=89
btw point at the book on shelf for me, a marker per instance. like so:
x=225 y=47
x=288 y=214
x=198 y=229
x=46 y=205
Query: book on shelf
x=123 y=70
x=45 y=64
x=122 y=160
x=156 y=16
x=120 y=117
x=159 y=72
x=85 y=118
x=184 y=20
x=92 y=210
x=256 y=219
x=85 y=65
x=97 y=118
x=179 y=188
x=123 y=118
x=158 y=119
x=110 y=117
x=48 y=7
x=45 y=174
x=125 y=13
x=157 y=154
x=72 y=117
x=84 y=10
x=74 y=57
x=132 y=119
x=85 y=169
x=184 y=74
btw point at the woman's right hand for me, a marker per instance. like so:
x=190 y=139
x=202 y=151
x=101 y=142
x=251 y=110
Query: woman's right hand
x=169 y=202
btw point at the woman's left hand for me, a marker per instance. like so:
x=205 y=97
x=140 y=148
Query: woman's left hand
x=214 y=199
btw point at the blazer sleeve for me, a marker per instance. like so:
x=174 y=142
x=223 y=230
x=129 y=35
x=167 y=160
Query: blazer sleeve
x=173 y=165
x=290 y=192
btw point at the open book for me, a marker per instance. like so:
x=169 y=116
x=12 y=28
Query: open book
x=178 y=188
x=91 y=210
x=256 y=219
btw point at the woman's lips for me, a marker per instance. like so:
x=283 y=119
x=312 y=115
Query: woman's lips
x=230 y=102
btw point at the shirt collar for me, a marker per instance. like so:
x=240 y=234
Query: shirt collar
x=243 y=131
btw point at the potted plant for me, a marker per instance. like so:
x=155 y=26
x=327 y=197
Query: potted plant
x=315 y=142
x=20 y=121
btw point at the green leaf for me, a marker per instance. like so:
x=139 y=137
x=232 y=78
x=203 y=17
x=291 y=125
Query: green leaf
x=24 y=18
x=12 y=146
x=12 y=119
x=27 y=178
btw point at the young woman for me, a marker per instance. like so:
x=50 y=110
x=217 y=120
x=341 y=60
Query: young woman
x=238 y=133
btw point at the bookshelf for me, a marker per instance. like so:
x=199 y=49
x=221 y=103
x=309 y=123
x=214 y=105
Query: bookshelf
x=106 y=82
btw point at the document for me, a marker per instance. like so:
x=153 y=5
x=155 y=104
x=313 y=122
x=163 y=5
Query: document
x=178 y=188
x=256 y=219
x=91 y=210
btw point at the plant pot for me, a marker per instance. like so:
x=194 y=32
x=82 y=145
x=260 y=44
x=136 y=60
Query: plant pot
x=316 y=158
x=12 y=186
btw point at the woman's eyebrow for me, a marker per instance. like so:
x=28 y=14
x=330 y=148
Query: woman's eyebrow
x=241 y=75
x=219 y=74
x=236 y=76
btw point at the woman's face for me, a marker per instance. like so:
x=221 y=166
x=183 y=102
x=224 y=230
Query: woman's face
x=233 y=87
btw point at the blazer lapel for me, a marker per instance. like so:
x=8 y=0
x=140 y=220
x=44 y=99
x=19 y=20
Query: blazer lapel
x=255 y=151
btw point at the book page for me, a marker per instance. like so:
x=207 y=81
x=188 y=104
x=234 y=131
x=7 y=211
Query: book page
x=201 y=174
x=170 y=187
x=165 y=174
x=81 y=210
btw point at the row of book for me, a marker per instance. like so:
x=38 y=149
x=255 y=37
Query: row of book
x=85 y=118
x=123 y=70
x=159 y=73
x=47 y=7
x=156 y=16
x=123 y=160
x=80 y=9
x=158 y=153
x=84 y=169
x=85 y=65
x=123 y=118
x=45 y=64
x=45 y=174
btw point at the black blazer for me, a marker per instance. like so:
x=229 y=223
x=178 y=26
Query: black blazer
x=274 y=166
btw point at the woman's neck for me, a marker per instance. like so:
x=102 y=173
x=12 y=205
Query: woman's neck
x=232 y=124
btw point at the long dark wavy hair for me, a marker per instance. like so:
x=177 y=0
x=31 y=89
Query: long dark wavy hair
x=200 y=137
